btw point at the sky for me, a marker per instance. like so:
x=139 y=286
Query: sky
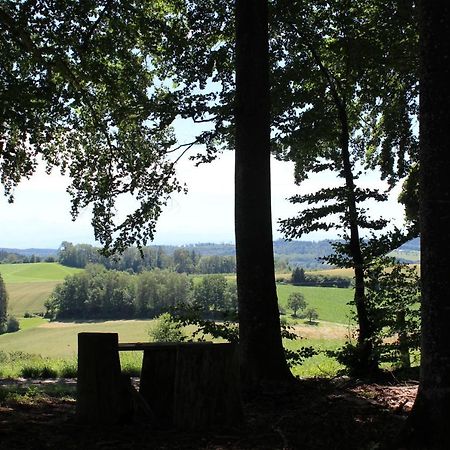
x=40 y=215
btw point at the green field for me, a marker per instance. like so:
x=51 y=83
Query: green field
x=31 y=273
x=29 y=285
x=330 y=303
x=55 y=344
x=59 y=339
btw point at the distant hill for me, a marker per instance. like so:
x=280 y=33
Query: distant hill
x=294 y=253
x=412 y=245
x=41 y=252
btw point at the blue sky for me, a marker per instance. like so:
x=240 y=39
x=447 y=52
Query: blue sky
x=40 y=215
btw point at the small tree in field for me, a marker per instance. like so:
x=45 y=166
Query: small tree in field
x=298 y=275
x=296 y=301
x=312 y=315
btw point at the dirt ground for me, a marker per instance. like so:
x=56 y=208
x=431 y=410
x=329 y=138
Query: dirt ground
x=311 y=414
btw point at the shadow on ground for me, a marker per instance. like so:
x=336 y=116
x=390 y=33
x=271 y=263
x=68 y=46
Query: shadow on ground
x=312 y=414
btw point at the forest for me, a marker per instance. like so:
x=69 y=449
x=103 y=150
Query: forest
x=345 y=90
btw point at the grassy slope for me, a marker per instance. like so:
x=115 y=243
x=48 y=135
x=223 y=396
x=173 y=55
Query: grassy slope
x=330 y=303
x=60 y=339
x=29 y=285
x=30 y=273
x=29 y=297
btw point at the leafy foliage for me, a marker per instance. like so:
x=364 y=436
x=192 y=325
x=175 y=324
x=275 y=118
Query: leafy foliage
x=311 y=314
x=296 y=301
x=79 y=94
x=132 y=259
x=101 y=293
x=12 y=325
x=166 y=329
x=393 y=293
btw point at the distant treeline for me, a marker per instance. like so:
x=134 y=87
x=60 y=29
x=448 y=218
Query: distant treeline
x=193 y=258
x=181 y=260
x=100 y=293
x=8 y=257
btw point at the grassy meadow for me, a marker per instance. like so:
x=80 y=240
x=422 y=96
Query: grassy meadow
x=29 y=285
x=41 y=343
x=35 y=272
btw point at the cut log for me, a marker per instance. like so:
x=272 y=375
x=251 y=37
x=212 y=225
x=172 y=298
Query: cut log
x=103 y=396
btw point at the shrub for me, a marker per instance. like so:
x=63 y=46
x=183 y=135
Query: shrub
x=166 y=329
x=12 y=325
x=68 y=370
x=44 y=371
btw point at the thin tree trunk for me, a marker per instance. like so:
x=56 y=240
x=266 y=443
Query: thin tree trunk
x=367 y=364
x=428 y=424
x=262 y=354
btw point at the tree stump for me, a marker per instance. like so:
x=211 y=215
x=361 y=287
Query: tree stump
x=207 y=386
x=192 y=385
x=103 y=397
x=158 y=380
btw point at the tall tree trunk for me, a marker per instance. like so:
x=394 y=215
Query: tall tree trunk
x=262 y=354
x=367 y=364
x=428 y=423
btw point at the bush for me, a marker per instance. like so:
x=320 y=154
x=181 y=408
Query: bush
x=44 y=371
x=68 y=370
x=166 y=329
x=12 y=325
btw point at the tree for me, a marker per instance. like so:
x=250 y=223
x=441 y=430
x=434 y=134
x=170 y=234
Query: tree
x=311 y=314
x=107 y=112
x=427 y=426
x=77 y=93
x=298 y=275
x=3 y=306
x=262 y=355
x=210 y=293
x=296 y=301
x=334 y=118
x=393 y=293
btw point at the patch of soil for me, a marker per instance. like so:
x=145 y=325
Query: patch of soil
x=311 y=414
x=325 y=330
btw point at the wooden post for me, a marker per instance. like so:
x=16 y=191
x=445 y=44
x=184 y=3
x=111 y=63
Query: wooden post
x=103 y=397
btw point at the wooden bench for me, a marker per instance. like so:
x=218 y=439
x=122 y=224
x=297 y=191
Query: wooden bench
x=186 y=385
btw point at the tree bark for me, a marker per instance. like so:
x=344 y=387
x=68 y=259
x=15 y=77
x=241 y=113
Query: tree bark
x=262 y=355
x=428 y=424
x=367 y=364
